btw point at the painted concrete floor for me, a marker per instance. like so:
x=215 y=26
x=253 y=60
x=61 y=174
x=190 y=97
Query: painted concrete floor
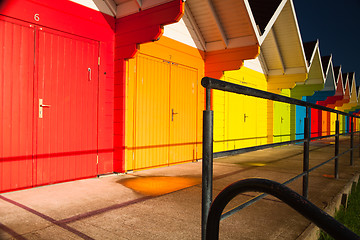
x=165 y=203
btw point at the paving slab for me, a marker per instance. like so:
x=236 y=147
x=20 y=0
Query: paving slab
x=165 y=203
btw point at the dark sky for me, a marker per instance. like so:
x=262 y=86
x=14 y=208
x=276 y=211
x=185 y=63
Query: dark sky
x=336 y=23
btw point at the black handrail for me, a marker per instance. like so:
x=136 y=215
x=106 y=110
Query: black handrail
x=212 y=83
x=208 y=155
x=288 y=196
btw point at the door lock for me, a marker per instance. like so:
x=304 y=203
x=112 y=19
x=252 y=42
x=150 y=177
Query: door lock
x=172 y=114
x=41 y=106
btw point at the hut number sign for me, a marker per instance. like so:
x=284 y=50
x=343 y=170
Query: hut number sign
x=37 y=17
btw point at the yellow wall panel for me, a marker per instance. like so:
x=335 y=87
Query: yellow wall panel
x=164 y=105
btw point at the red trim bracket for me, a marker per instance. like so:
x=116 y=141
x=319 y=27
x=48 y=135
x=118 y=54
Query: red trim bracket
x=145 y=26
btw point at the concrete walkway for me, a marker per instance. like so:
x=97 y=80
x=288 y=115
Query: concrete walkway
x=165 y=203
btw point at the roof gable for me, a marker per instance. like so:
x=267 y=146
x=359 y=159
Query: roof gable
x=309 y=48
x=325 y=60
x=328 y=68
x=282 y=47
x=263 y=11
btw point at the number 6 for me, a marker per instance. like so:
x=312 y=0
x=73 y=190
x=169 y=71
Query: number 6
x=37 y=17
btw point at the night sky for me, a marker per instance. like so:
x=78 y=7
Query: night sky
x=337 y=26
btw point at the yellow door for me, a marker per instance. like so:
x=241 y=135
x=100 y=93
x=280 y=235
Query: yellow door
x=183 y=110
x=241 y=118
x=165 y=113
x=151 y=113
x=332 y=123
x=249 y=121
x=234 y=121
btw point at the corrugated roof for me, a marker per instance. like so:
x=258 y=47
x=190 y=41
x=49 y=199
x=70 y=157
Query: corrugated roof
x=263 y=10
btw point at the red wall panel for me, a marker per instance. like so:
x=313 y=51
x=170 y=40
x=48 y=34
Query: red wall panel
x=67 y=17
x=16 y=105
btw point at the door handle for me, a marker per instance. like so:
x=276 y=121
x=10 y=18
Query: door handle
x=172 y=114
x=41 y=106
x=89 y=74
x=245 y=116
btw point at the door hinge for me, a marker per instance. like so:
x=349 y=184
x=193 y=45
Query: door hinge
x=99 y=61
x=97 y=159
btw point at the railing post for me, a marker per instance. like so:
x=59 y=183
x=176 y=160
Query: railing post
x=307 y=128
x=207 y=163
x=351 y=141
x=337 y=128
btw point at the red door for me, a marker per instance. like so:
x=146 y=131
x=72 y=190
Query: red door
x=66 y=107
x=48 y=106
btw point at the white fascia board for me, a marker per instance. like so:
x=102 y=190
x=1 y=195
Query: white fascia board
x=331 y=71
x=139 y=3
x=272 y=21
x=353 y=85
x=330 y=75
x=317 y=57
x=299 y=34
x=346 y=82
x=340 y=81
x=314 y=52
x=252 y=20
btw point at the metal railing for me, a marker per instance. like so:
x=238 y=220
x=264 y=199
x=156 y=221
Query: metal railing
x=285 y=194
x=208 y=155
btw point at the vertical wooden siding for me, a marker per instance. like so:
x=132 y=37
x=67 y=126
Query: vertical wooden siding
x=38 y=63
x=164 y=78
x=240 y=121
x=282 y=119
x=160 y=137
x=16 y=105
x=152 y=117
x=183 y=124
x=300 y=115
x=68 y=81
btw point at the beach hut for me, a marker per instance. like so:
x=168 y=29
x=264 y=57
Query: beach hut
x=314 y=82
